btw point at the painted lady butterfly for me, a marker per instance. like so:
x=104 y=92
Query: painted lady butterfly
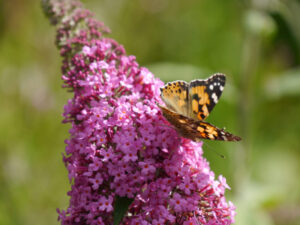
x=188 y=104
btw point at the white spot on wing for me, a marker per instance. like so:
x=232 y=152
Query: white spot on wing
x=221 y=88
x=211 y=87
x=214 y=97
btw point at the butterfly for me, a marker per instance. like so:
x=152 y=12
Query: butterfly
x=188 y=104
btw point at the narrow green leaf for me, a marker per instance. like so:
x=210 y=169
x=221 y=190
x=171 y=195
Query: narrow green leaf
x=120 y=208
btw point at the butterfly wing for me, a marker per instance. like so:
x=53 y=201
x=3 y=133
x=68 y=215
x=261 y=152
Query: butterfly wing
x=175 y=96
x=208 y=131
x=196 y=130
x=204 y=95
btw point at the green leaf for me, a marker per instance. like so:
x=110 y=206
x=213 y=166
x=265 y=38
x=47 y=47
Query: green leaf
x=120 y=208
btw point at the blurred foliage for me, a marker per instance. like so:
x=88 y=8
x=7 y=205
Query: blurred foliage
x=256 y=43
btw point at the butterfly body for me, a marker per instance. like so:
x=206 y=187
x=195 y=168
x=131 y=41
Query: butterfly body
x=188 y=104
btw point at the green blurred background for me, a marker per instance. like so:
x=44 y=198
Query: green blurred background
x=256 y=43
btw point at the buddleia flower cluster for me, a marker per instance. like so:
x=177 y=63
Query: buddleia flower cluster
x=120 y=145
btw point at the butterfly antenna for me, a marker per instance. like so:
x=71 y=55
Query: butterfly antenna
x=219 y=154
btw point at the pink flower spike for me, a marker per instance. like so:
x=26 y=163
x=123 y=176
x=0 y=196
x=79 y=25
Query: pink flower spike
x=187 y=186
x=107 y=154
x=130 y=157
x=158 y=222
x=223 y=182
x=201 y=180
x=86 y=50
x=191 y=221
x=178 y=203
x=96 y=181
x=105 y=204
x=120 y=145
x=147 y=167
x=96 y=165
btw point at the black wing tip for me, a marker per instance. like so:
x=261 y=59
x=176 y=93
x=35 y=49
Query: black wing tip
x=226 y=136
x=219 y=76
x=236 y=138
x=232 y=137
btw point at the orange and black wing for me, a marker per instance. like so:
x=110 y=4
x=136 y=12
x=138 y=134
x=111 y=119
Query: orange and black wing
x=195 y=129
x=204 y=95
x=208 y=131
x=175 y=96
